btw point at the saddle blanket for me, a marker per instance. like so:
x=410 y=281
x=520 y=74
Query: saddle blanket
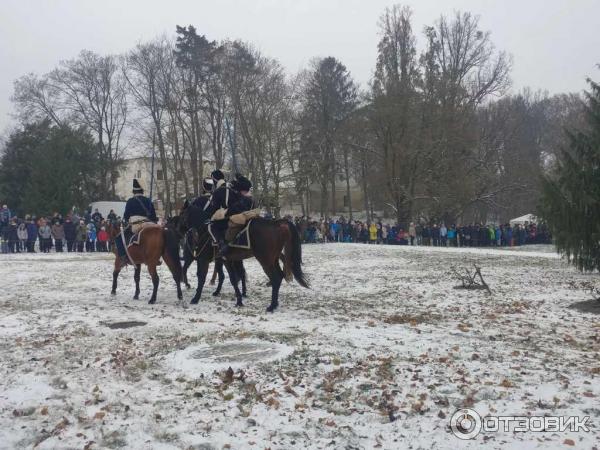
x=135 y=239
x=242 y=238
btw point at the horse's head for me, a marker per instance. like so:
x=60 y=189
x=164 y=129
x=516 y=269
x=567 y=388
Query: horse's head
x=113 y=229
x=177 y=224
x=193 y=217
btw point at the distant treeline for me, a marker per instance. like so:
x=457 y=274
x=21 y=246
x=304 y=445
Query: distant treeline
x=435 y=134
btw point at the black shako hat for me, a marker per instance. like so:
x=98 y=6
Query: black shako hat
x=241 y=183
x=207 y=184
x=137 y=188
x=217 y=175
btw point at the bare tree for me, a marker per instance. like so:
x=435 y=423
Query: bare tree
x=90 y=91
x=147 y=71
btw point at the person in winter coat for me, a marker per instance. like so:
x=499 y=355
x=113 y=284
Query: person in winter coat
x=70 y=230
x=102 y=240
x=4 y=239
x=372 y=233
x=112 y=217
x=32 y=235
x=97 y=217
x=58 y=233
x=385 y=234
x=45 y=233
x=426 y=235
x=5 y=216
x=11 y=236
x=412 y=233
x=451 y=233
x=435 y=235
x=22 y=237
x=90 y=245
x=80 y=235
x=443 y=235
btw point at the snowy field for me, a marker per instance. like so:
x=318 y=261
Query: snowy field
x=378 y=354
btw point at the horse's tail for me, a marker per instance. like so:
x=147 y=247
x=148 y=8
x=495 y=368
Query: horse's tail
x=293 y=257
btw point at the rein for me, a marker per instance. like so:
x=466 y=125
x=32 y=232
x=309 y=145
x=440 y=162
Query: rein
x=206 y=241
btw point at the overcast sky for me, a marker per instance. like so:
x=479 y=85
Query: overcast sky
x=555 y=43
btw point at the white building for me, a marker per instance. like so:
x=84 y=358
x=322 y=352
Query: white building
x=141 y=169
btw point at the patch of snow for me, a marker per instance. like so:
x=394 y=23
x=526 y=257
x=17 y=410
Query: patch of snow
x=378 y=354
x=204 y=359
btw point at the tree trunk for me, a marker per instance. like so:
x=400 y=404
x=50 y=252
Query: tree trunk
x=347 y=175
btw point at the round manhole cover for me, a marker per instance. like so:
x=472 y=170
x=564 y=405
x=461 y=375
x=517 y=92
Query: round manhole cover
x=206 y=358
x=122 y=325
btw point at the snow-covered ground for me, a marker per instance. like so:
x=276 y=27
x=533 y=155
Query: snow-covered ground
x=378 y=354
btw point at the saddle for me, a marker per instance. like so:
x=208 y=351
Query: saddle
x=135 y=238
x=237 y=225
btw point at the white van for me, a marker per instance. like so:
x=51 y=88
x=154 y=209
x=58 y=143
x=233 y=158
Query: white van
x=105 y=207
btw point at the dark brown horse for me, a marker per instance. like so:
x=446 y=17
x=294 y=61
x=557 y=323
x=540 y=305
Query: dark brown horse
x=268 y=239
x=155 y=242
x=199 y=248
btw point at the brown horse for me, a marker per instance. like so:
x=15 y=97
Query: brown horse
x=155 y=242
x=268 y=239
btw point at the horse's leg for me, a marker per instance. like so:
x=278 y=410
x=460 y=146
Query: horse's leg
x=187 y=262
x=243 y=277
x=275 y=275
x=219 y=271
x=155 y=281
x=233 y=277
x=116 y=271
x=175 y=268
x=201 y=271
x=136 y=277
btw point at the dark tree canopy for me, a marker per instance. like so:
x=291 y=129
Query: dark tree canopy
x=571 y=194
x=47 y=168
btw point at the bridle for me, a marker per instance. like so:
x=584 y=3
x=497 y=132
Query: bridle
x=185 y=237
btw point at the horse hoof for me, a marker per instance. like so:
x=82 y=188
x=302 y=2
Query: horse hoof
x=194 y=301
x=188 y=286
x=216 y=293
x=152 y=301
x=271 y=308
x=136 y=297
x=239 y=304
x=113 y=293
x=244 y=295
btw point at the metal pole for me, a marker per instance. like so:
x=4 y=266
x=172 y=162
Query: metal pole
x=232 y=145
x=152 y=165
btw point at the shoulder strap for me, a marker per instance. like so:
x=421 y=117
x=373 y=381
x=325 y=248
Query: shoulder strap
x=207 y=204
x=143 y=206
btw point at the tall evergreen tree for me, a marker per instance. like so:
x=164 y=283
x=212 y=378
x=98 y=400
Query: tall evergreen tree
x=47 y=168
x=571 y=194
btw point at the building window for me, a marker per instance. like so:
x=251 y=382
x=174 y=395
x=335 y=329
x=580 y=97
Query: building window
x=138 y=174
x=159 y=175
x=346 y=203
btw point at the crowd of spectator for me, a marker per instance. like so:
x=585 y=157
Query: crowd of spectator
x=88 y=232
x=71 y=233
x=434 y=234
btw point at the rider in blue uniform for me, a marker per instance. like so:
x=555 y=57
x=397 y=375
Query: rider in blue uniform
x=234 y=199
x=138 y=210
x=242 y=200
x=221 y=198
x=203 y=200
